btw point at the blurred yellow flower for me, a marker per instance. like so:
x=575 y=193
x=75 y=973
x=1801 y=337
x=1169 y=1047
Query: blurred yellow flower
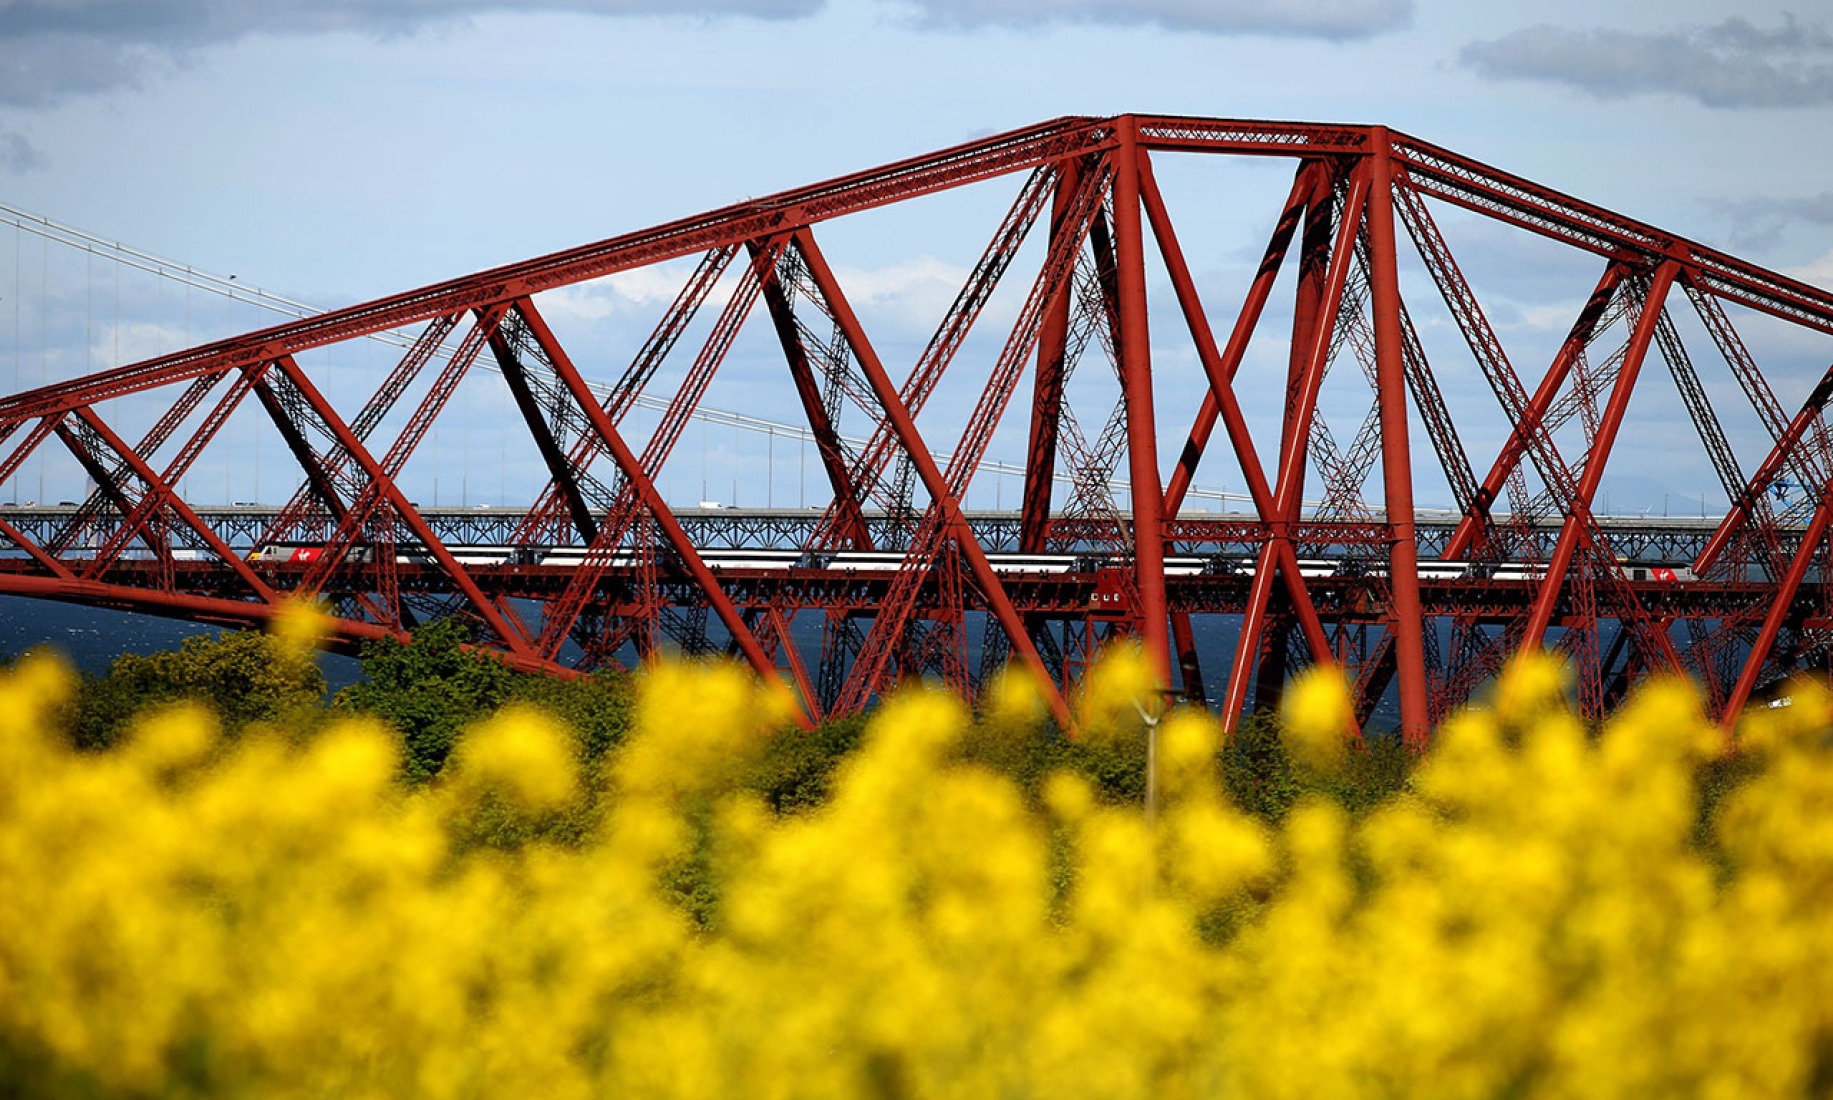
x=1545 y=910
x=1188 y=741
x=1013 y=701
x=1317 y=717
x=1532 y=684
x=522 y=755
x=301 y=624
x=1118 y=692
x=173 y=737
x=1068 y=797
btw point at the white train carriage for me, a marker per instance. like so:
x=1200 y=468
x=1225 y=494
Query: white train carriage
x=463 y=554
x=1002 y=562
x=1185 y=565
x=723 y=557
x=1032 y=563
x=572 y=557
x=866 y=561
x=363 y=554
x=716 y=557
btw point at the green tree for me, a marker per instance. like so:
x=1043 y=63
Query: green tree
x=244 y=676
x=796 y=766
x=428 y=689
x=599 y=707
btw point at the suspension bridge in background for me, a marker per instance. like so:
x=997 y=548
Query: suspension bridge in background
x=1112 y=429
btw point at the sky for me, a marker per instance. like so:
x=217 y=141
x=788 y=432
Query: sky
x=337 y=150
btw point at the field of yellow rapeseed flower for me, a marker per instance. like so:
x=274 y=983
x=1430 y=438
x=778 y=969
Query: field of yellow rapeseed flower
x=1542 y=912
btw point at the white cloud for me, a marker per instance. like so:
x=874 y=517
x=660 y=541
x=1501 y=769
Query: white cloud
x=644 y=290
x=1548 y=318
x=911 y=295
x=50 y=49
x=116 y=345
x=1817 y=272
x=1330 y=19
x=1733 y=64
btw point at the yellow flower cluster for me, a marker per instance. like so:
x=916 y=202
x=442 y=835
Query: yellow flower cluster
x=1541 y=914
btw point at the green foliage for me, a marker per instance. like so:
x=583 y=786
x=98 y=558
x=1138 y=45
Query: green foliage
x=428 y=689
x=796 y=766
x=693 y=883
x=245 y=677
x=1257 y=772
x=1716 y=780
x=1262 y=778
x=432 y=687
x=1114 y=765
x=598 y=708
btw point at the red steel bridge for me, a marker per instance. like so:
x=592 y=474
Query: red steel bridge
x=1326 y=557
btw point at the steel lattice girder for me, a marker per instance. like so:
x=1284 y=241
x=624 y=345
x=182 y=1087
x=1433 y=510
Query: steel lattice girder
x=1091 y=182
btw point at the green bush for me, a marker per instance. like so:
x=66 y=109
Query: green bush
x=243 y=676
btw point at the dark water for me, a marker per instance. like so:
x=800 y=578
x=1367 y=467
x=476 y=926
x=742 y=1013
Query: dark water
x=91 y=638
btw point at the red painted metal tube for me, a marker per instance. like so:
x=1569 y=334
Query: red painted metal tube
x=937 y=486
x=1759 y=483
x=1047 y=395
x=35 y=552
x=1219 y=367
x=1397 y=473
x=1289 y=485
x=1578 y=517
x=157 y=487
x=651 y=499
x=1780 y=607
x=1304 y=192
x=515 y=639
x=1136 y=389
x=850 y=523
x=1524 y=429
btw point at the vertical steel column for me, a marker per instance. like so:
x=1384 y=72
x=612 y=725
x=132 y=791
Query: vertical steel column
x=1136 y=386
x=1396 y=469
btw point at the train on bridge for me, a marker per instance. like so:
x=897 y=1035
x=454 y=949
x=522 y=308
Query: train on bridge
x=892 y=561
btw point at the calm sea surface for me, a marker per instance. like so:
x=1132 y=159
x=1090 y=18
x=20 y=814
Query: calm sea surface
x=91 y=638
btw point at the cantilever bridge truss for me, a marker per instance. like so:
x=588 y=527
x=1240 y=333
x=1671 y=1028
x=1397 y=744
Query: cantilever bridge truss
x=1328 y=563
